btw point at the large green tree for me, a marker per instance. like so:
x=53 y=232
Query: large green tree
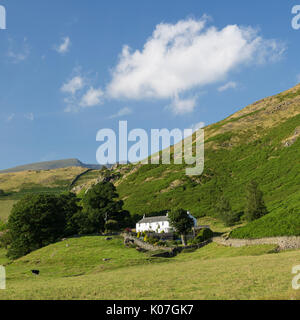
x=35 y=221
x=181 y=222
x=255 y=205
x=69 y=204
x=100 y=205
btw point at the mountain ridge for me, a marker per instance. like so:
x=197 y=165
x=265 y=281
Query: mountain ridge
x=50 y=165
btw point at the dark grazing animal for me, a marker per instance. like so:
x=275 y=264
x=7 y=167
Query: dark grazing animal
x=35 y=272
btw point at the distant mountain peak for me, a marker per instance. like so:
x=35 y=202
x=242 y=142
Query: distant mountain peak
x=50 y=165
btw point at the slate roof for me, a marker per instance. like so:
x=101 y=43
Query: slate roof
x=154 y=219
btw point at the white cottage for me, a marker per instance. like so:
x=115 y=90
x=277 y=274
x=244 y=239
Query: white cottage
x=158 y=224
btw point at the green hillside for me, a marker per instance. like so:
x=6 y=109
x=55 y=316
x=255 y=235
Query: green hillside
x=74 y=269
x=260 y=142
x=17 y=184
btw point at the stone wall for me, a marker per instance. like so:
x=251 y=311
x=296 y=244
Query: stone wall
x=149 y=247
x=144 y=245
x=283 y=243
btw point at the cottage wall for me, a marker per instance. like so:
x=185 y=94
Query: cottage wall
x=162 y=225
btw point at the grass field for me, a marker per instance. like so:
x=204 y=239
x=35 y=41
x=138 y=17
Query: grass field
x=28 y=180
x=74 y=269
x=216 y=225
x=5 y=208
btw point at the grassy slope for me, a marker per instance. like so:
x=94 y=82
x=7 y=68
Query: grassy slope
x=214 y=272
x=35 y=180
x=5 y=208
x=18 y=184
x=276 y=168
x=248 y=145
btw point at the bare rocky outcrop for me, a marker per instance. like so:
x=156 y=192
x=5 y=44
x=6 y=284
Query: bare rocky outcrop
x=291 y=140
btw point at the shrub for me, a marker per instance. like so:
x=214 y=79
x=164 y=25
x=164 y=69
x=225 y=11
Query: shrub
x=5 y=240
x=111 y=226
x=152 y=240
x=162 y=243
x=225 y=213
x=3 y=225
x=203 y=235
x=255 y=207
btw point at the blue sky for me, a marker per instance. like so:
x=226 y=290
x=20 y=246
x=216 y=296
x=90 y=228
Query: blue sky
x=65 y=72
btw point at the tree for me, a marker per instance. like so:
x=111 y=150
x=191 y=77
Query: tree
x=68 y=202
x=181 y=222
x=255 y=205
x=100 y=206
x=35 y=221
x=111 y=226
x=5 y=239
x=224 y=212
x=2 y=193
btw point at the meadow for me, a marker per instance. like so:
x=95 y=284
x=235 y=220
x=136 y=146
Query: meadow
x=74 y=269
x=5 y=208
x=38 y=179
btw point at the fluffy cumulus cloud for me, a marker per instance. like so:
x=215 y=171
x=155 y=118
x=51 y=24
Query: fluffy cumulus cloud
x=80 y=94
x=185 y=56
x=73 y=85
x=181 y=106
x=64 y=47
x=92 y=97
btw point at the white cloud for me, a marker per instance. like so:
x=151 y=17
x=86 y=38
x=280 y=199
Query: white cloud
x=64 y=46
x=197 y=126
x=19 y=55
x=10 y=117
x=92 y=98
x=227 y=86
x=73 y=85
x=29 y=116
x=182 y=106
x=121 y=113
x=184 y=56
x=79 y=93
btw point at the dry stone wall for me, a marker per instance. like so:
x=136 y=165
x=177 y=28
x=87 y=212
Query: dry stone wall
x=283 y=243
